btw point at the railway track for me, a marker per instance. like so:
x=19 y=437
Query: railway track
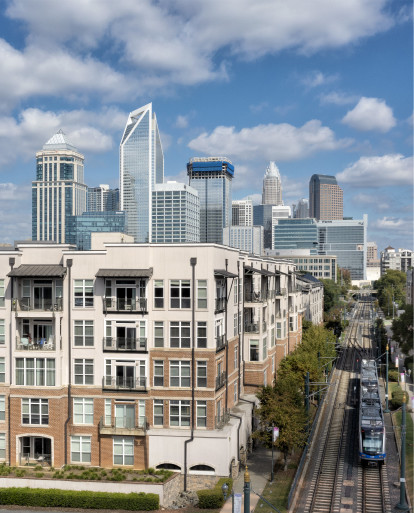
x=335 y=470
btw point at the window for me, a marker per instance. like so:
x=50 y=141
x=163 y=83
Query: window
x=180 y=294
x=82 y=410
x=35 y=411
x=35 y=371
x=180 y=413
x=272 y=337
x=83 y=371
x=84 y=293
x=201 y=413
x=236 y=357
x=84 y=333
x=265 y=378
x=123 y=450
x=158 y=334
x=2 y=334
x=236 y=290
x=264 y=348
x=291 y=324
x=201 y=293
x=279 y=330
x=201 y=374
x=158 y=294
x=254 y=350
x=2 y=407
x=158 y=412
x=179 y=373
x=2 y=446
x=235 y=324
x=235 y=392
x=158 y=373
x=201 y=334
x=179 y=334
x=80 y=449
x=2 y=369
x=108 y=412
x=1 y=293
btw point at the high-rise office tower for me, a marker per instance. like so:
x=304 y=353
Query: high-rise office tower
x=103 y=199
x=272 y=186
x=212 y=177
x=325 y=198
x=301 y=210
x=242 y=213
x=59 y=190
x=175 y=213
x=141 y=167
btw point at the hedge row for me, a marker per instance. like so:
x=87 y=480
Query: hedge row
x=213 y=498
x=78 y=499
x=397 y=398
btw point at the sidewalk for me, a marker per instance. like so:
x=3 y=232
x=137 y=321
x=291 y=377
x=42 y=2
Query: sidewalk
x=259 y=467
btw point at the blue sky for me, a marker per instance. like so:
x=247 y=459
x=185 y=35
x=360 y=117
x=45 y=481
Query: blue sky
x=318 y=87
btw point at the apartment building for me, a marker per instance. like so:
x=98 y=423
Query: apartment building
x=137 y=354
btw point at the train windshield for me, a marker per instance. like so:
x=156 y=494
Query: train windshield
x=372 y=442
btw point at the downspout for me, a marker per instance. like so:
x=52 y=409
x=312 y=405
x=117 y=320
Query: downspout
x=238 y=434
x=11 y=263
x=193 y=263
x=242 y=329
x=227 y=342
x=69 y=263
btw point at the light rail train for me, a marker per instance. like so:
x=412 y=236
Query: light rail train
x=371 y=420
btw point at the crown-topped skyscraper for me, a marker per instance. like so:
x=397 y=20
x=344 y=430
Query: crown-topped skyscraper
x=272 y=186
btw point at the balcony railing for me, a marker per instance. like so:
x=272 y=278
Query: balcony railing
x=220 y=380
x=223 y=419
x=119 y=383
x=122 y=426
x=35 y=344
x=253 y=297
x=280 y=292
x=26 y=304
x=125 y=344
x=220 y=304
x=293 y=289
x=113 y=304
x=251 y=327
x=220 y=342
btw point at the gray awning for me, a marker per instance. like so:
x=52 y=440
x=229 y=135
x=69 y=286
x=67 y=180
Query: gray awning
x=224 y=273
x=252 y=269
x=124 y=273
x=33 y=271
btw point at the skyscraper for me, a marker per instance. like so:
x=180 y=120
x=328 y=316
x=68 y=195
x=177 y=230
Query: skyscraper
x=59 y=190
x=175 y=213
x=103 y=199
x=242 y=213
x=272 y=186
x=301 y=210
x=325 y=198
x=141 y=167
x=212 y=177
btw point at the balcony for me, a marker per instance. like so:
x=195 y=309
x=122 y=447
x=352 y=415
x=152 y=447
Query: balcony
x=220 y=304
x=113 y=304
x=280 y=292
x=124 y=384
x=264 y=326
x=220 y=342
x=125 y=345
x=122 y=426
x=253 y=297
x=35 y=344
x=223 y=419
x=220 y=380
x=27 y=304
x=251 y=327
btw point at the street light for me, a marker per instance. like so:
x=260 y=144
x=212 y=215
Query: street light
x=403 y=502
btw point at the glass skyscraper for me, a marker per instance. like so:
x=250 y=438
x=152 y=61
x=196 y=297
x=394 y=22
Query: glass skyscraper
x=293 y=234
x=103 y=199
x=141 y=167
x=59 y=190
x=212 y=177
x=80 y=228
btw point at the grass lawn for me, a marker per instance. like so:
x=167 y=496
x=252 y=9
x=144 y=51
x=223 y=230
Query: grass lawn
x=277 y=492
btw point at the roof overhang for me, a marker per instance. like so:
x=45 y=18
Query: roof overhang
x=35 y=271
x=124 y=273
x=224 y=273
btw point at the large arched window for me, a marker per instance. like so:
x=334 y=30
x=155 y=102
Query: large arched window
x=202 y=469
x=169 y=466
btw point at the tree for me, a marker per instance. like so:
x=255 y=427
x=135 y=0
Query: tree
x=331 y=293
x=391 y=286
x=402 y=329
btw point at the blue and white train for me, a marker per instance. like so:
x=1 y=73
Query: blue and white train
x=371 y=420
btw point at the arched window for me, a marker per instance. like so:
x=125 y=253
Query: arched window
x=202 y=469
x=169 y=466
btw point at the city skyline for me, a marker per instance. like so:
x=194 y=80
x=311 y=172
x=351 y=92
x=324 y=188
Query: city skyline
x=327 y=94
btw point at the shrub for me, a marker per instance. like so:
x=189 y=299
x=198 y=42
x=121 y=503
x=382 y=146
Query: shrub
x=393 y=375
x=210 y=499
x=39 y=474
x=75 y=499
x=20 y=473
x=397 y=398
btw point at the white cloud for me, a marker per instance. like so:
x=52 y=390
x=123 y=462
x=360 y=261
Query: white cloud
x=393 y=223
x=317 y=79
x=370 y=114
x=15 y=212
x=337 y=98
x=279 y=142
x=169 y=43
x=88 y=131
x=387 y=170
x=181 y=121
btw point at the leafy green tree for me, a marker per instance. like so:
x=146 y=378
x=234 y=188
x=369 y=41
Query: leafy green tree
x=390 y=286
x=331 y=293
x=402 y=329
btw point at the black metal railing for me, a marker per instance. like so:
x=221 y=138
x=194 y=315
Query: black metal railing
x=251 y=327
x=125 y=344
x=113 y=304
x=115 y=424
x=220 y=342
x=27 y=304
x=223 y=419
x=220 y=304
x=120 y=383
x=220 y=380
x=38 y=344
